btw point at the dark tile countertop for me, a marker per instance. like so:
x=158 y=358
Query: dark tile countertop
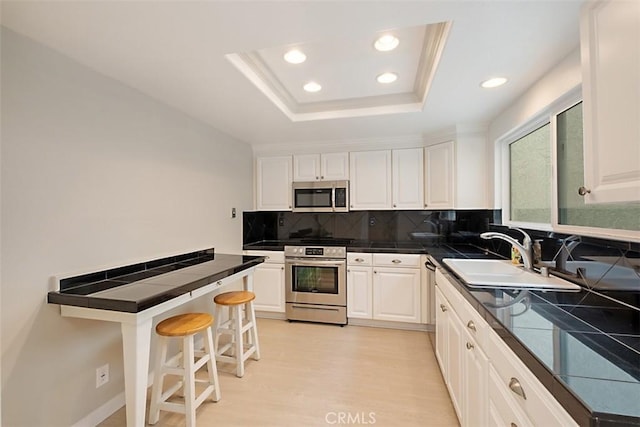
x=140 y=286
x=583 y=346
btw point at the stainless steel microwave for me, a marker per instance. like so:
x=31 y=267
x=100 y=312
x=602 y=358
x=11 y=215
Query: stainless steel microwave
x=321 y=196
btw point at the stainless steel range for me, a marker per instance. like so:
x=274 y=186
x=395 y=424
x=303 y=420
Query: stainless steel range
x=316 y=278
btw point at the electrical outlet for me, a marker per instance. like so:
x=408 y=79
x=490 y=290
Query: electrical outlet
x=102 y=375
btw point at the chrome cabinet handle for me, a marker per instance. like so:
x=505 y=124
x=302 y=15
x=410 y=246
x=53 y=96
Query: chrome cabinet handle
x=516 y=387
x=471 y=325
x=583 y=191
x=469 y=346
x=443 y=307
x=359 y=260
x=396 y=261
x=514 y=425
x=322 y=177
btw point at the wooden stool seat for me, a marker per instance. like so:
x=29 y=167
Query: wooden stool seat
x=184 y=324
x=242 y=321
x=234 y=298
x=184 y=365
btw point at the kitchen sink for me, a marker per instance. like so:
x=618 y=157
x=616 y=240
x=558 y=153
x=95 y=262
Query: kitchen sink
x=482 y=273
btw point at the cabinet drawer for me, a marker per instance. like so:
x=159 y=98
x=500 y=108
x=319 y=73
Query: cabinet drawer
x=358 y=258
x=396 y=260
x=503 y=409
x=523 y=387
x=472 y=321
x=271 y=256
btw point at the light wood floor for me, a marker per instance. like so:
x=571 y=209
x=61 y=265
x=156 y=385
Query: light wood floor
x=313 y=374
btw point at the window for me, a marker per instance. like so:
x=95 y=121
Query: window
x=530 y=165
x=552 y=145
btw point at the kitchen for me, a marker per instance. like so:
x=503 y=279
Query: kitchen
x=112 y=140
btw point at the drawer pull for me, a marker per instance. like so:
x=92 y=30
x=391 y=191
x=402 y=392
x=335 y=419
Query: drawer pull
x=396 y=261
x=515 y=387
x=359 y=260
x=471 y=325
x=514 y=425
x=469 y=346
x=443 y=307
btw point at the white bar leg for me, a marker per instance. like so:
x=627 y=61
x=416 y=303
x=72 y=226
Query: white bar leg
x=136 y=342
x=248 y=282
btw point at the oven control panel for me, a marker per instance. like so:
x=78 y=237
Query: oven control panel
x=315 y=251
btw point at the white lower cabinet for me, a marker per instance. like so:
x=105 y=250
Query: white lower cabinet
x=268 y=282
x=384 y=287
x=488 y=384
x=360 y=292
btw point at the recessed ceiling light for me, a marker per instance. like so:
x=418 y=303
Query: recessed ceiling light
x=294 y=56
x=387 y=78
x=386 y=43
x=312 y=87
x=494 y=82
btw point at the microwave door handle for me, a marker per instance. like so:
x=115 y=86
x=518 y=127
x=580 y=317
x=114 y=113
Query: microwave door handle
x=333 y=198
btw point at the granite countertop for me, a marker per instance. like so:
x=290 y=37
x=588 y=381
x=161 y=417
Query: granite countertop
x=137 y=287
x=583 y=346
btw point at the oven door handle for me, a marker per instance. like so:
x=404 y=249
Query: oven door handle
x=306 y=262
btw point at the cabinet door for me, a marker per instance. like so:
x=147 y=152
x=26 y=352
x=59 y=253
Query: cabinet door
x=396 y=294
x=455 y=362
x=442 y=336
x=334 y=166
x=306 y=167
x=273 y=183
x=408 y=179
x=476 y=389
x=610 y=52
x=360 y=292
x=439 y=176
x=370 y=185
x=268 y=285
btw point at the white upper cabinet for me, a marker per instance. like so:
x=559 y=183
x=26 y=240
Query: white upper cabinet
x=439 y=172
x=610 y=51
x=273 y=183
x=408 y=179
x=370 y=180
x=321 y=167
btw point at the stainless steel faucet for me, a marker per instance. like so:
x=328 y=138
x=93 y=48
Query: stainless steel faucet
x=525 y=248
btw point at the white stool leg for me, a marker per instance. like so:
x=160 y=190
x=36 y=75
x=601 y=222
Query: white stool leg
x=189 y=380
x=216 y=325
x=237 y=311
x=253 y=332
x=158 y=374
x=211 y=365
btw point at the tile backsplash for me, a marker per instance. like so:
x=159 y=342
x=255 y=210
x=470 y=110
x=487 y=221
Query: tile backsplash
x=430 y=227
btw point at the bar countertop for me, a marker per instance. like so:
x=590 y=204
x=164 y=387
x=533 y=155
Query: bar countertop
x=137 y=287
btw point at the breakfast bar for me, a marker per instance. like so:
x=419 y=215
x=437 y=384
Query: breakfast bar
x=135 y=294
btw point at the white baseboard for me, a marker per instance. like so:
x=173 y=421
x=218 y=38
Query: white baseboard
x=103 y=412
x=109 y=408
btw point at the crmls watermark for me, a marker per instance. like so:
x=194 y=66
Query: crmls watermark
x=345 y=418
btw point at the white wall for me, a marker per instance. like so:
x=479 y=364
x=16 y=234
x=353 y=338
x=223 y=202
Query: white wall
x=94 y=175
x=561 y=79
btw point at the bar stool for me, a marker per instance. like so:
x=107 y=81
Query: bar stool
x=237 y=350
x=184 y=326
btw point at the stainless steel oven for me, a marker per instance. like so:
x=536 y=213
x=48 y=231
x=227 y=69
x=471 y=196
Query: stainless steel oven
x=315 y=278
